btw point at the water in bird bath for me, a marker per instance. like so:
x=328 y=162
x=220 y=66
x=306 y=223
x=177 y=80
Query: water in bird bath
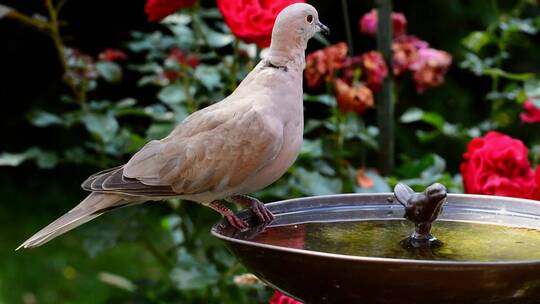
x=463 y=241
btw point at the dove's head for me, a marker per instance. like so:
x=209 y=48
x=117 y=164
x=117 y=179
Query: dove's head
x=294 y=26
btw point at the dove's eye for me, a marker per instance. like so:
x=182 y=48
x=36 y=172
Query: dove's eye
x=309 y=18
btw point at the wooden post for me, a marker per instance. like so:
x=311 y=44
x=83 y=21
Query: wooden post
x=385 y=99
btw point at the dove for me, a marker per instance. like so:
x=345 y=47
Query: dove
x=221 y=153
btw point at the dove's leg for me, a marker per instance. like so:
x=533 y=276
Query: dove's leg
x=228 y=215
x=260 y=210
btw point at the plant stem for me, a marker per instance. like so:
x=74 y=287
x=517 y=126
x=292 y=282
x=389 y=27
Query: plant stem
x=39 y=24
x=234 y=65
x=339 y=144
x=54 y=31
x=186 y=79
x=385 y=98
x=347 y=21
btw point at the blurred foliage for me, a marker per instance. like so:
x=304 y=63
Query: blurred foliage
x=165 y=254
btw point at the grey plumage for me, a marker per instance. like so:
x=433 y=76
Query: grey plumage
x=234 y=147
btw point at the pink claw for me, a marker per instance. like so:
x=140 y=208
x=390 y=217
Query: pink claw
x=236 y=222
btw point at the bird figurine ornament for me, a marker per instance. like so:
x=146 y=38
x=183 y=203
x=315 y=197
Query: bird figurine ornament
x=221 y=153
x=422 y=209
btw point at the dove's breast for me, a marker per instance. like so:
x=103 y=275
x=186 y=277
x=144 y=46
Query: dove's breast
x=286 y=105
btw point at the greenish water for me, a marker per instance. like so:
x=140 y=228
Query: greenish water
x=463 y=241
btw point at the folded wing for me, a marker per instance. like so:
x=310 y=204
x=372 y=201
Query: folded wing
x=210 y=151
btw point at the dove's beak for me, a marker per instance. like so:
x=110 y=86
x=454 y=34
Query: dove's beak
x=323 y=28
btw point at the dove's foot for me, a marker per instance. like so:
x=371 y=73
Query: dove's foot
x=229 y=215
x=258 y=208
x=236 y=222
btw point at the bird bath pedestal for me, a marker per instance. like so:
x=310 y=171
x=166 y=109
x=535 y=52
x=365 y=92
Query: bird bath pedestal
x=356 y=248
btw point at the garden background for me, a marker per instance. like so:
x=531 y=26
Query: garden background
x=83 y=89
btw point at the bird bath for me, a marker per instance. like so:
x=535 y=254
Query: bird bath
x=357 y=248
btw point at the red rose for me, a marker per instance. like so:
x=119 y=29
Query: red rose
x=368 y=23
x=357 y=98
x=279 y=298
x=321 y=64
x=430 y=68
x=497 y=164
x=536 y=192
x=112 y=55
x=405 y=52
x=159 y=9
x=375 y=69
x=531 y=114
x=252 y=20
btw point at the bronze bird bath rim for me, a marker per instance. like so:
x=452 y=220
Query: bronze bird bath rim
x=317 y=277
x=275 y=208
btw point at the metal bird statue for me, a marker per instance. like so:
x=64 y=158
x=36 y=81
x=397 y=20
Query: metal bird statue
x=421 y=209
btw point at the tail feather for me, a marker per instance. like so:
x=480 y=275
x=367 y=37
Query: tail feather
x=91 y=207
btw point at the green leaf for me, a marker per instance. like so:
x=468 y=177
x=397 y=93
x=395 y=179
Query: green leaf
x=195 y=278
x=159 y=112
x=312 y=124
x=172 y=94
x=412 y=115
x=210 y=13
x=159 y=130
x=434 y=119
x=476 y=64
x=110 y=71
x=46 y=160
x=43 y=159
x=515 y=25
x=325 y=99
x=312 y=148
x=425 y=136
x=12 y=159
x=103 y=125
x=313 y=183
x=416 y=114
x=43 y=119
x=217 y=39
x=475 y=41
x=532 y=88
x=208 y=76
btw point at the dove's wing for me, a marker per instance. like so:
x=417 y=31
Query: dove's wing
x=213 y=150
x=403 y=193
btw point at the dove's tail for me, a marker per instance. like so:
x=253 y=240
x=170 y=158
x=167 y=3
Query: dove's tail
x=91 y=207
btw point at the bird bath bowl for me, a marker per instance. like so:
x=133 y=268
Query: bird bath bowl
x=346 y=249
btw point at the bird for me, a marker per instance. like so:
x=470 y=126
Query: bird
x=220 y=153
